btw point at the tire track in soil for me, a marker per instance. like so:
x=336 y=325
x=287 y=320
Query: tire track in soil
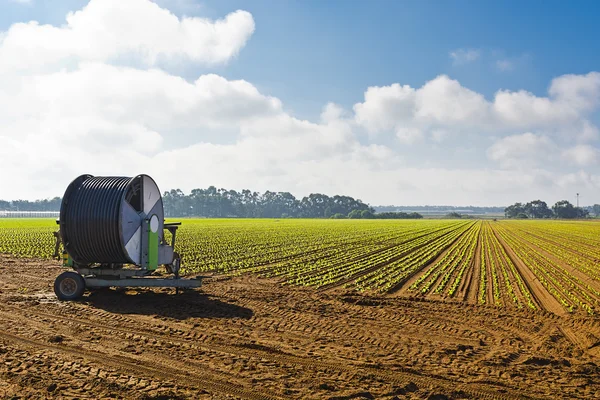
x=135 y=366
x=302 y=322
x=141 y=368
x=535 y=287
x=76 y=380
x=170 y=336
x=288 y=309
x=227 y=350
x=587 y=345
x=445 y=324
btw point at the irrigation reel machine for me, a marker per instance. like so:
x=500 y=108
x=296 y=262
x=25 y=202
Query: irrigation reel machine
x=113 y=235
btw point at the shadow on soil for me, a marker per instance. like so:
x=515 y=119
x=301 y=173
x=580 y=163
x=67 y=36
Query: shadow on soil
x=188 y=304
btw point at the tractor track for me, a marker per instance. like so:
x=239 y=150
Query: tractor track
x=247 y=337
x=137 y=367
x=400 y=377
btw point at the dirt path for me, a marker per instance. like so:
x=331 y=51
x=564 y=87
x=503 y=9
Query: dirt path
x=252 y=338
x=470 y=287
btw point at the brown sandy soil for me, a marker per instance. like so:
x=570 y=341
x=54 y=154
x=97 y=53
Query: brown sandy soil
x=252 y=338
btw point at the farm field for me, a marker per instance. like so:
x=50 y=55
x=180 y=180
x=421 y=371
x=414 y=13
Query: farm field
x=539 y=265
x=317 y=309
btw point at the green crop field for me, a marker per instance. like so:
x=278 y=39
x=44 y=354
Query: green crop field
x=550 y=265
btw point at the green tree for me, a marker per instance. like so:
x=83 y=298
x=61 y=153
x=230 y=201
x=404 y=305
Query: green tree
x=564 y=209
x=355 y=214
x=582 y=212
x=366 y=214
x=514 y=210
x=454 y=214
x=537 y=209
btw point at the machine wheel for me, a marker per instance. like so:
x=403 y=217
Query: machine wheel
x=69 y=286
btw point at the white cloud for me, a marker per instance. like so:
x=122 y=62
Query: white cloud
x=589 y=131
x=581 y=92
x=522 y=151
x=130 y=31
x=571 y=99
x=464 y=56
x=440 y=102
x=385 y=107
x=582 y=155
x=439 y=135
x=443 y=103
x=332 y=112
x=409 y=135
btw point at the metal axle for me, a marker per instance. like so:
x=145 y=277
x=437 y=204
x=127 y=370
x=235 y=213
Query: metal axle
x=144 y=282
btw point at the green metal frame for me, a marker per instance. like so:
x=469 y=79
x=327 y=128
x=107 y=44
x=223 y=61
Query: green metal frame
x=152 y=249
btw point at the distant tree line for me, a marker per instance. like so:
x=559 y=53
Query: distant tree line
x=26 y=205
x=442 y=209
x=539 y=209
x=223 y=203
x=368 y=214
x=220 y=203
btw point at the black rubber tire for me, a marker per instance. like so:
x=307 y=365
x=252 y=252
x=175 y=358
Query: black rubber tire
x=69 y=286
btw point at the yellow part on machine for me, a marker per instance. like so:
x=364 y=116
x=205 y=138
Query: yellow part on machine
x=67 y=260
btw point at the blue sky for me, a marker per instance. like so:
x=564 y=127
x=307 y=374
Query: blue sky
x=342 y=47
x=308 y=54
x=307 y=51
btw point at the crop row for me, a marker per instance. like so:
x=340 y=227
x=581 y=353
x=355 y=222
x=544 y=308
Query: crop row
x=499 y=263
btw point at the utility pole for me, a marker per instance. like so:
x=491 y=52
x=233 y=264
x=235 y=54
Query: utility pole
x=577 y=200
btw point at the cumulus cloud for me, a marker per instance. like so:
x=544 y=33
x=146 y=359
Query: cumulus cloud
x=522 y=151
x=409 y=135
x=95 y=96
x=582 y=155
x=127 y=31
x=444 y=103
x=464 y=56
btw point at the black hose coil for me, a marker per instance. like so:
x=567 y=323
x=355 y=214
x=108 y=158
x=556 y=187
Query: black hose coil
x=90 y=217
